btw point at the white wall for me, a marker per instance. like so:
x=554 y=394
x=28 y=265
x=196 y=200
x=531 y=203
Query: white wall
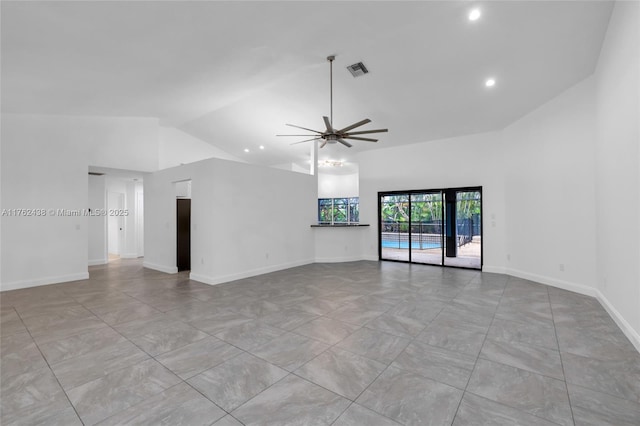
x=128 y=143
x=183 y=189
x=245 y=219
x=177 y=147
x=45 y=160
x=618 y=168
x=97 y=224
x=338 y=186
x=340 y=244
x=474 y=160
x=549 y=191
x=42 y=169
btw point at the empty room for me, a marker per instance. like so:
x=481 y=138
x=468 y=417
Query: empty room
x=320 y=213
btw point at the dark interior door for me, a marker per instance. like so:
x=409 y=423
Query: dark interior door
x=184 y=234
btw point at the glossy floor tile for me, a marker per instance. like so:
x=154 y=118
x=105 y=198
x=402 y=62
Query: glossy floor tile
x=237 y=380
x=290 y=351
x=180 y=404
x=539 y=395
x=357 y=415
x=443 y=365
x=117 y=391
x=292 y=401
x=477 y=411
x=358 y=343
x=197 y=357
x=342 y=372
x=411 y=399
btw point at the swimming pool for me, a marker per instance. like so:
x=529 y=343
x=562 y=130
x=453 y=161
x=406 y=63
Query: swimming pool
x=405 y=245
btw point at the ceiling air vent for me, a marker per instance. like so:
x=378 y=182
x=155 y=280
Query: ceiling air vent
x=358 y=69
x=96 y=174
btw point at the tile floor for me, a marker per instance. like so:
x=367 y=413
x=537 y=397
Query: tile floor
x=361 y=343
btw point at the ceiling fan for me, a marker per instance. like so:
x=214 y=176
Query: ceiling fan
x=332 y=135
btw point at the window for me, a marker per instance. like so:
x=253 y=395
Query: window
x=338 y=210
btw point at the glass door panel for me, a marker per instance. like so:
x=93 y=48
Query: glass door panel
x=426 y=228
x=432 y=226
x=463 y=237
x=394 y=227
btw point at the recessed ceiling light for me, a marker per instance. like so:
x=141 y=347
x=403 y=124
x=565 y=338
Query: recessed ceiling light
x=246 y=150
x=474 y=15
x=490 y=82
x=261 y=146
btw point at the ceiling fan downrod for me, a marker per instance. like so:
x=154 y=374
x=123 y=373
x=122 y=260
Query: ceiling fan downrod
x=330 y=58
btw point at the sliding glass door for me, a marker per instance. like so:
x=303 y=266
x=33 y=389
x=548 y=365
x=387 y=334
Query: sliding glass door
x=394 y=225
x=426 y=227
x=464 y=237
x=435 y=227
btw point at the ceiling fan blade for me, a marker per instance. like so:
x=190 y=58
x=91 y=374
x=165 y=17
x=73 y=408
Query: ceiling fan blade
x=363 y=132
x=300 y=135
x=304 y=128
x=323 y=144
x=361 y=139
x=307 y=140
x=353 y=126
x=328 y=124
x=345 y=143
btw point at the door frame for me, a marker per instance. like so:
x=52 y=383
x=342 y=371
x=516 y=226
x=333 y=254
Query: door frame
x=116 y=220
x=443 y=236
x=187 y=247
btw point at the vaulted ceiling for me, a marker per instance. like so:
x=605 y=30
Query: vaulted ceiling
x=233 y=73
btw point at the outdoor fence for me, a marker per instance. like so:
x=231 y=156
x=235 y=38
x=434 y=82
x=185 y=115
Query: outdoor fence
x=426 y=235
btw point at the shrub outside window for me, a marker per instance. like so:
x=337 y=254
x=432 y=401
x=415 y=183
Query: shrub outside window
x=338 y=210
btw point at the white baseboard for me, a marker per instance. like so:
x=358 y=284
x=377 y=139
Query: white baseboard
x=15 y=285
x=494 y=269
x=626 y=328
x=94 y=262
x=338 y=259
x=245 y=274
x=161 y=268
x=129 y=256
x=553 y=282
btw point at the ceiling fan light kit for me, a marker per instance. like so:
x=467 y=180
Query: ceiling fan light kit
x=332 y=135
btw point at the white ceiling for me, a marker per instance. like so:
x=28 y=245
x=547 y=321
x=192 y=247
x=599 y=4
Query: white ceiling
x=233 y=73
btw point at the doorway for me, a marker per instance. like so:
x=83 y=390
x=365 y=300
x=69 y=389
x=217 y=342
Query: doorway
x=183 y=215
x=115 y=225
x=183 y=225
x=434 y=227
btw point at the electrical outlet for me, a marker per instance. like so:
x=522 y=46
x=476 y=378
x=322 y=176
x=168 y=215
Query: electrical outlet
x=561 y=267
x=509 y=257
